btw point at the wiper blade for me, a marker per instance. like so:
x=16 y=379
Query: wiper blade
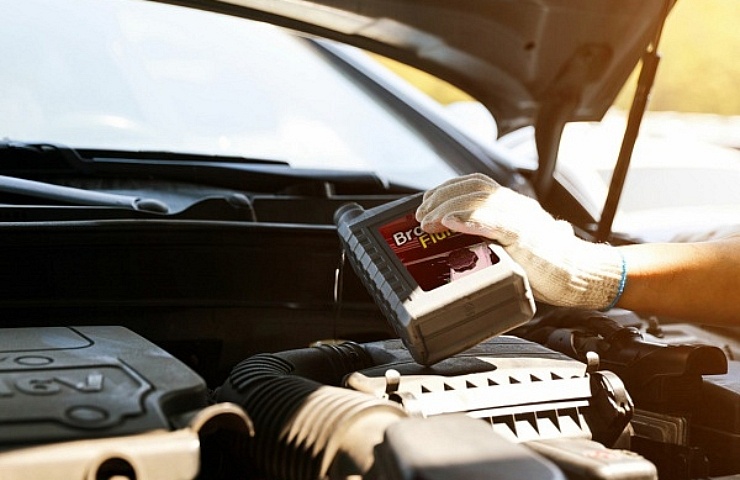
x=78 y=196
x=262 y=178
x=242 y=173
x=18 y=156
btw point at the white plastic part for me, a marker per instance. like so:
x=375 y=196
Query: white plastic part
x=155 y=455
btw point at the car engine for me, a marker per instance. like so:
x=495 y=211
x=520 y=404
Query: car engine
x=226 y=338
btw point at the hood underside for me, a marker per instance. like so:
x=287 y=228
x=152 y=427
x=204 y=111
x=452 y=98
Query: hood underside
x=515 y=56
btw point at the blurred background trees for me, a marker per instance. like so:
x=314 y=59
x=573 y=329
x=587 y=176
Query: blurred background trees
x=700 y=53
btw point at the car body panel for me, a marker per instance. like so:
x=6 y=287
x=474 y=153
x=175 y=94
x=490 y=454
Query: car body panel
x=513 y=56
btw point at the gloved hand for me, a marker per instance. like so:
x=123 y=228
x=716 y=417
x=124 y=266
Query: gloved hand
x=563 y=269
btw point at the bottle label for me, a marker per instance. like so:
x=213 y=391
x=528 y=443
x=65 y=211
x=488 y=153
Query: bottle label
x=435 y=259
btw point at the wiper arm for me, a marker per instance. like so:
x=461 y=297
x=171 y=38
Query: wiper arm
x=79 y=196
x=229 y=172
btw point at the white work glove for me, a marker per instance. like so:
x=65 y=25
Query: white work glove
x=563 y=269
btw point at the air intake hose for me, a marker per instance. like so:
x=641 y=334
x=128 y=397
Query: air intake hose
x=306 y=426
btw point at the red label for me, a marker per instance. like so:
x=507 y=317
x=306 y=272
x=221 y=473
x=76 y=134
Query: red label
x=434 y=259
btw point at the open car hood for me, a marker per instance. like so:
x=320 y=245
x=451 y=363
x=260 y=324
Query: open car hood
x=517 y=57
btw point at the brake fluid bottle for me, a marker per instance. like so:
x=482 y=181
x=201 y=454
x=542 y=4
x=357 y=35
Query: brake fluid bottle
x=443 y=292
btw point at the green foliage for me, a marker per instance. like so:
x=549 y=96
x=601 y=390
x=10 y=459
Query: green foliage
x=699 y=69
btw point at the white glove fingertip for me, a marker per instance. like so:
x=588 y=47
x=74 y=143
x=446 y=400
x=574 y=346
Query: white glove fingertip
x=464 y=224
x=432 y=225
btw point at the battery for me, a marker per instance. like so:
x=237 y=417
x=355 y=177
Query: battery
x=441 y=292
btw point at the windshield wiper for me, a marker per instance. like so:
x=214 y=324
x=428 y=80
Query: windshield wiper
x=78 y=196
x=225 y=171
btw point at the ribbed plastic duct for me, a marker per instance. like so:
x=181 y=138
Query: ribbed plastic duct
x=305 y=428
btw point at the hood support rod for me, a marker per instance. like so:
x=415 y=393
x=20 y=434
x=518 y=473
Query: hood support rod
x=650 y=61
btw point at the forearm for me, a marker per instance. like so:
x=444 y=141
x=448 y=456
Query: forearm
x=692 y=281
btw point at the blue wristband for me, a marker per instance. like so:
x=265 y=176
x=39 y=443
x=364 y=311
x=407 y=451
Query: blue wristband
x=620 y=289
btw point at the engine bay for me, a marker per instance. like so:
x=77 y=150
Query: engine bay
x=105 y=400
x=121 y=296
x=227 y=335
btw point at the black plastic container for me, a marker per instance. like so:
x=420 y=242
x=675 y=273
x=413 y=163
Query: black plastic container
x=443 y=292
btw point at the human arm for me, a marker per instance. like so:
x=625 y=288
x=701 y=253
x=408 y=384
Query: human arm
x=692 y=281
x=695 y=281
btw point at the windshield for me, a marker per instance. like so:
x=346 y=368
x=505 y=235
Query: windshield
x=141 y=76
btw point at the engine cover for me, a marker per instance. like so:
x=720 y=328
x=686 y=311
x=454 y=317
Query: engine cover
x=64 y=383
